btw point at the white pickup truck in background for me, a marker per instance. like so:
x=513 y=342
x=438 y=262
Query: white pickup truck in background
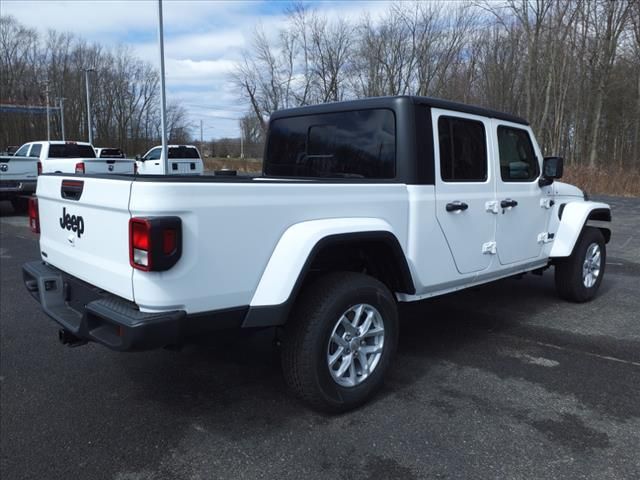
x=183 y=160
x=362 y=205
x=74 y=157
x=18 y=177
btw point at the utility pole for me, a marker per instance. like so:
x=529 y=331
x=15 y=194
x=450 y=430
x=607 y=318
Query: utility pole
x=163 y=100
x=61 y=104
x=241 y=145
x=89 y=128
x=48 y=114
x=201 y=133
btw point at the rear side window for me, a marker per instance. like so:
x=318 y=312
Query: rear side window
x=183 y=152
x=463 y=150
x=111 y=153
x=22 y=151
x=71 y=150
x=35 y=150
x=518 y=162
x=357 y=144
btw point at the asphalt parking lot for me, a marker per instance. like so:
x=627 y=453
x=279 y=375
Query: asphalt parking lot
x=501 y=381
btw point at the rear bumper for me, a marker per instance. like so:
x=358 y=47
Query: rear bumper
x=91 y=314
x=13 y=188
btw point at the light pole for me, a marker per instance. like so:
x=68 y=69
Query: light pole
x=163 y=101
x=86 y=79
x=61 y=106
x=46 y=91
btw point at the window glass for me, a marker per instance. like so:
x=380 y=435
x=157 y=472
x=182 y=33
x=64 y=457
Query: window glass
x=183 y=152
x=35 y=150
x=71 y=150
x=518 y=162
x=22 y=151
x=111 y=153
x=463 y=150
x=154 y=154
x=356 y=144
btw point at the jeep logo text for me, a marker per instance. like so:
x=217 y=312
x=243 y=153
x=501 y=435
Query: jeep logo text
x=72 y=222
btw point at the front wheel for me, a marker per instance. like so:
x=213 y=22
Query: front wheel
x=579 y=276
x=339 y=341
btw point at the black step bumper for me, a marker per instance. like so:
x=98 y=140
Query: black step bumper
x=91 y=314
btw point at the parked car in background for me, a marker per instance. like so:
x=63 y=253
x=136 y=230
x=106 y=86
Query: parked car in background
x=18 y=177
x=183 y=160
x=109 y=153
x=74 y=157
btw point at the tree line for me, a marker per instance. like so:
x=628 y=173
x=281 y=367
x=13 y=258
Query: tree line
x=124 y=91
x=571 y=67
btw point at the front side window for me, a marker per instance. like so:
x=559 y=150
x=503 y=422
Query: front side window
x=22 y=151
x=518 y=162
x=463 y=150
x=35 y=150
x=153 y=154
x=355 y=144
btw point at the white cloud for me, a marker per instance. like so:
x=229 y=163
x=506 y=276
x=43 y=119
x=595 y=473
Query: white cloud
x=203 y=40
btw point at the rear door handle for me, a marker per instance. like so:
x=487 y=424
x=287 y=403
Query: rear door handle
x=456 y=206
x=508 y=203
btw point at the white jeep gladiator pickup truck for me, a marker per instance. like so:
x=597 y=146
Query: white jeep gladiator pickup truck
x=183 y=160
x=361 y=205
x=75 y=157
x=18 y=177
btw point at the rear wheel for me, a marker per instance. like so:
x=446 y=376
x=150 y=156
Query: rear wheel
x=339 y=341
x=579 y=276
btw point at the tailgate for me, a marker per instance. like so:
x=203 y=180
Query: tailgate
x=86 y=234
x=185 y=167
x=18 y=168
x=105 y=165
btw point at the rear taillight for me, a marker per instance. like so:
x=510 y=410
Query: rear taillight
x=80 y=167
x=34 y=215
x=155 y=243
x=39 y=168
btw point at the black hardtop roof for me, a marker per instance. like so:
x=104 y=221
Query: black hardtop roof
x=390 y=102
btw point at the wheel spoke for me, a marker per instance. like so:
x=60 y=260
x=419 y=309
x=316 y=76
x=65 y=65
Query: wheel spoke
x=352 y=372
x=358 y=315
x=373 y=332
x=338 y=340
x=334 y=358
x=371 y=349
x=347 y=361
x=348 y=326
x=364 y=364
x=366 y=324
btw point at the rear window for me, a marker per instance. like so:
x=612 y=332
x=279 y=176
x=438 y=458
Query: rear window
x=357 y=144
x=111 y=153
x=183 y=152
x=71 y=150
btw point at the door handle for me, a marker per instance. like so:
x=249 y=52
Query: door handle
x=508 y=203
x=456 y=206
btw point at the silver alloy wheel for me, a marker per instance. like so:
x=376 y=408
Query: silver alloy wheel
x=355 y=345
x=591 y=265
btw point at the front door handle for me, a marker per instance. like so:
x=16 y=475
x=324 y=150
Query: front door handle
x=508 y=203
x=456 y=206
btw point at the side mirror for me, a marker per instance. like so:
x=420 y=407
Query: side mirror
x=552 y=168
x=139 y=158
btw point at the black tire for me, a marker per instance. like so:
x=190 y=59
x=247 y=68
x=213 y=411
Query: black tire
x=569 y=272
x=20 y=204
x=307 y=332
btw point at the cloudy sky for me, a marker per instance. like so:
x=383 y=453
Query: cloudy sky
x=203 y=39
